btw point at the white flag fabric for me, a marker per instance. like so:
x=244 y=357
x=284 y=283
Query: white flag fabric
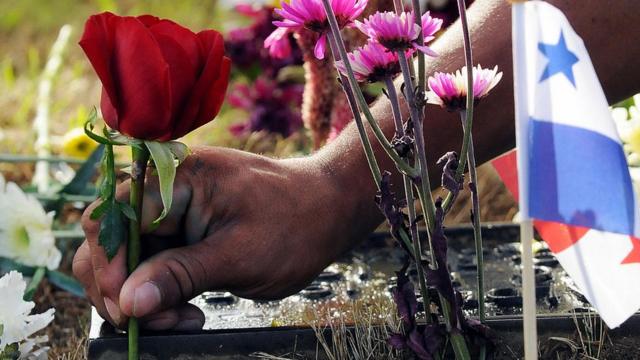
x=573 y=165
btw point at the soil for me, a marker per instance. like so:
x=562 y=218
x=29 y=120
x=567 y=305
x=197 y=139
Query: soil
x=69 y=329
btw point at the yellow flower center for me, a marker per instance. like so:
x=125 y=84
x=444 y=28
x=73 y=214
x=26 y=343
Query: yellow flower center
x=21 y=238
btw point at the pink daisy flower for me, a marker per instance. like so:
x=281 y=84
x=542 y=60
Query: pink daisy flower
x=372 y=63
x=400 y=32
x=278 y=43
x=310 y=14
x=450 y=90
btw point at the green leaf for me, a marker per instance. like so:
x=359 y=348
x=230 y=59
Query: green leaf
x=7 y=265
x=164 y=161
x=100 y=210
x=10 y=351
x=112 y=231
x=93 y=117
x=120 y=139
x=65 y=282
x=108 y=173
x=179 y=150
x=88 y=129
x=128 y=211
x=33 y=284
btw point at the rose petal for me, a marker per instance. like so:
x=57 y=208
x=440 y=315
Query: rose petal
x=141 y=77
x=208 y=93
x=184 y=37
x=98 y=44
x=148 y=20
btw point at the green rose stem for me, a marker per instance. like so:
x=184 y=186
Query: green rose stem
x=140 y=156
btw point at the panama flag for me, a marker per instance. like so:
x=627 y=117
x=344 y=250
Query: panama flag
x=574 y=170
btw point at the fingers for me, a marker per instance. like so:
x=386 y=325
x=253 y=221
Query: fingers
x=173 y=277
x=108 y=276
x=83 y=271
x=187 y=317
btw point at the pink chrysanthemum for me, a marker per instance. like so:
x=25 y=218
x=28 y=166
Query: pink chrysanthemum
x=278 y=43
x=310 y=14
x=400 y=32
x=450 y=90
x=372 y=63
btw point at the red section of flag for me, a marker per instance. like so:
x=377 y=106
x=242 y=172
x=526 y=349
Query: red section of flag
x=634 y=255
x=558 y=236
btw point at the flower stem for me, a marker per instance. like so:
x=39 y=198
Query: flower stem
x=424 y=190
x=417 y=118
x=477 y=229
x=422 y=71
x=408 y=189
x=468 y=59
x=140 y=157
x=364 y=139
x=334 y=34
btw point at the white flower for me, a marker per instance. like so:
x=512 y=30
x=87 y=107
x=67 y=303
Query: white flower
x=16 y=323
x=34 y=348
x=628 y=124
x=25 y=229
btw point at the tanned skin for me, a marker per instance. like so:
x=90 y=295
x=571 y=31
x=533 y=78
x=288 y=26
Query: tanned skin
x=263 y=228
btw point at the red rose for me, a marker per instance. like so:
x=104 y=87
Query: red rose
x=160 y=80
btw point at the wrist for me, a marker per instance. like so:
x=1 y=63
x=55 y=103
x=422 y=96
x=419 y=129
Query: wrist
x=344 y=168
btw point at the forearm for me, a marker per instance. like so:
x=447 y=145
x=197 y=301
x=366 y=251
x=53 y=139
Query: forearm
x=606 y=28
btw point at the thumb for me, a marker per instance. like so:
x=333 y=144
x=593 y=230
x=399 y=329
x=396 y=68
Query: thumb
x=172 y=277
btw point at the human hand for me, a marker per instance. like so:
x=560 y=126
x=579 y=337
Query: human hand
x=257 y=227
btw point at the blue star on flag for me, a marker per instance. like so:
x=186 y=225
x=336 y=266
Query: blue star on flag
x=561 y=60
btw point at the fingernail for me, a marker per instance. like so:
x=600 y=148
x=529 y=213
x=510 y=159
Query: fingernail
x=189 y=325
x=112 y=309
x=146 y=298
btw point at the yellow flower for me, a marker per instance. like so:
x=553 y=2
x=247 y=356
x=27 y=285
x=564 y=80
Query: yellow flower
x=76 y=143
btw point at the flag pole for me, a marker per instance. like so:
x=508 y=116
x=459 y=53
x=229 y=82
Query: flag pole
x=526 y=224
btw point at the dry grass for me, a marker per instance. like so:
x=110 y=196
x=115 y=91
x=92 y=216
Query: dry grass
x=69 y=330
x=358 y=330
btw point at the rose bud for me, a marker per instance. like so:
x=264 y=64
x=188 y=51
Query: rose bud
x=160 y=80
